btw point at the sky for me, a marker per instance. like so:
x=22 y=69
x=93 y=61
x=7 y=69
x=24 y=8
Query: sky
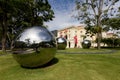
x=63 y=14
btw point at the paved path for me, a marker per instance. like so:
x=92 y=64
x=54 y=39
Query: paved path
x=102 y=52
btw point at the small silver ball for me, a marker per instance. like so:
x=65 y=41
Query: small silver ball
x=61 y=43
x=86 y=44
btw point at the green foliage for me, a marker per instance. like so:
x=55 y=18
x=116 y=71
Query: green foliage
x=111 y=42
x=111 y=23
x=16 y=15
x=91 y=12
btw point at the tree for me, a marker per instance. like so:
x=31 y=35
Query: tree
x=91 y=12
x=112 y=24
x=35 y=13
x=16 y=15
x=118 y=12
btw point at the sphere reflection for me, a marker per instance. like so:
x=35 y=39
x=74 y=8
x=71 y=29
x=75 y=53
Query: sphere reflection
x=61 y=43
x=34 y=47
x=86 y=44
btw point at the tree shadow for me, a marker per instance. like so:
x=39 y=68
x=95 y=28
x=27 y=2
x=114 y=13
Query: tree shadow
x=50 y=63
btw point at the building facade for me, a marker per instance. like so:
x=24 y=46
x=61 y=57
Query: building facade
x=75 y=36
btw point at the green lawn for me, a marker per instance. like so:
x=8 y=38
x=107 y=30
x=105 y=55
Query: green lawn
x=66 y=67
x=78 y=50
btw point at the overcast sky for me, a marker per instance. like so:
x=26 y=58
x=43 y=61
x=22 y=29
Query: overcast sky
x=63 y=14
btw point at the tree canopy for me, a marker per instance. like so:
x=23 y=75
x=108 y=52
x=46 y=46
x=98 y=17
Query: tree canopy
x=16 y=15
x=92 y=12
x=113 y=23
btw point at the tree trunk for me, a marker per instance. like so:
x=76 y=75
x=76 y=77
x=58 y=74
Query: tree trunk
x=3 y=44
x=98 y=17
x=12 y=44
x=4 y=34
x=4 y=28
x=99 y=40
x=99 y=30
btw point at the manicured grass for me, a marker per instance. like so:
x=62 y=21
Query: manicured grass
x=65 y=67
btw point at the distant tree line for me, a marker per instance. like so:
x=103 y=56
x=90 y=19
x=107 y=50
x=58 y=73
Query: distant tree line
x=110 y=42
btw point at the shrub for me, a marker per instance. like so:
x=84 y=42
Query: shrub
x=111 y=42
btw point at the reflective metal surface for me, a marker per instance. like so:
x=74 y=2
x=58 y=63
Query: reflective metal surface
x=86 y=44
x=34 y=47
x=61 y=43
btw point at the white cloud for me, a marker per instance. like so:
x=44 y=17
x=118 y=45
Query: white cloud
x=61 y=20
x=63 y=12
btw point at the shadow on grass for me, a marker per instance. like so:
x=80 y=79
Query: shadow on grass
x=52 y=62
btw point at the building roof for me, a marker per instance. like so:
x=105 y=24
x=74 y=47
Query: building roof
x=71 y=27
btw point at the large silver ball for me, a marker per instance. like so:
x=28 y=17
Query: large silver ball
x=34 y=47
x=86 y=44
x=61 y=43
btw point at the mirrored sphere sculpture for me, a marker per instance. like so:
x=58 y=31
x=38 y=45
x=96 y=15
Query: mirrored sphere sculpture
x=86 y=44
x=61 y=43
x=34 y=47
